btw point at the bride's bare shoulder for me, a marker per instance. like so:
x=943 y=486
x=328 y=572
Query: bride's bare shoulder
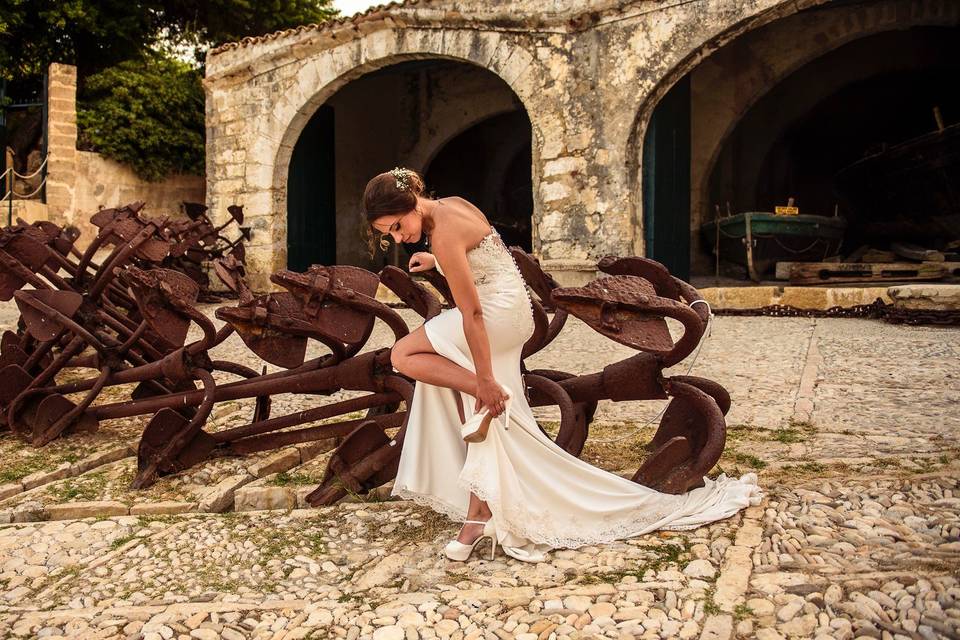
x=464 y=205
x=469 y=216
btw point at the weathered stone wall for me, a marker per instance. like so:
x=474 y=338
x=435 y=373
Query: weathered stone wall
x=589 y=75
x=28 y=210
x=101 y=183
x=81 y=182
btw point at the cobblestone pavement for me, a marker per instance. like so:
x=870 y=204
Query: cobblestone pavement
x=851 y=425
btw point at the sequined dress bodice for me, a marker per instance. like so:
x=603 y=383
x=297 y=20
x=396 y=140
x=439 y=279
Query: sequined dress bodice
x=497 y=278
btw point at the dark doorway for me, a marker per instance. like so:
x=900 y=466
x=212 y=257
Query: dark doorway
x=666 y=181
x=400 y=115
x=489 y=165
x=859 y=99
x=311 y=197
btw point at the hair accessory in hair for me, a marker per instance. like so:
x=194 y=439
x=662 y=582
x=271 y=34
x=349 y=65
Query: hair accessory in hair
x=401 y=174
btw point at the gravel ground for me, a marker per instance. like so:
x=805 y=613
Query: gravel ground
x=851 y=425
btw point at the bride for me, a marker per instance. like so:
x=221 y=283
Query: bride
x=472 y=448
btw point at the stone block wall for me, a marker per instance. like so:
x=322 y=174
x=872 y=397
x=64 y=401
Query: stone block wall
x=587 y=74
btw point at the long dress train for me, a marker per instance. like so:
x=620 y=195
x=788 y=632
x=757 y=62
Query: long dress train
x=541 y=497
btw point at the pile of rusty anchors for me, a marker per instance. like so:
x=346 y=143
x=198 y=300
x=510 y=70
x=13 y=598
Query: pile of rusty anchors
x=336 y=307
x=333 y=305
x=88 y=307
x=629 y=306
x=197 y=242
x=62 y=316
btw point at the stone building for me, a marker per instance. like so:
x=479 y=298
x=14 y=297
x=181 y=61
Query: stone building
x=582 y=128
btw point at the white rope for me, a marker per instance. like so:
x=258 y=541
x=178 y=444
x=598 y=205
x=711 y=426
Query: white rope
x=12 y=193
x=696 y=354
x=27 y=177
x=25 y=196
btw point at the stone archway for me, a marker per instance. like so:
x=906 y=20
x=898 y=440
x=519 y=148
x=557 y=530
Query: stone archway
x=276 y=91
x=489 y=164
x=727 y=80
x=387 y=117
x=878 y=90
x=374 y=57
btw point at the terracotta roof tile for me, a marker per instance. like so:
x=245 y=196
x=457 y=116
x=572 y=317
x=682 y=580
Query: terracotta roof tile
x=329 y=24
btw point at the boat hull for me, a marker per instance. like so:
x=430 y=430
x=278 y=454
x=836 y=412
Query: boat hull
x=799 y=238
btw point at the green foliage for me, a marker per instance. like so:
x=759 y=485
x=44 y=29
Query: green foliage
x=148 y=116
x=210 y=23
x=138 y=105
x=748 y=459
x=284 y=479
x=742 y=612
x=98 y=34
x=89 y=33
x=787 y=436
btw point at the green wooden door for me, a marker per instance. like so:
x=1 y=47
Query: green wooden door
x=311 y=201
x=666 y=181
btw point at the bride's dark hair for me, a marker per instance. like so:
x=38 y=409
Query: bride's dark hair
x=391 y=192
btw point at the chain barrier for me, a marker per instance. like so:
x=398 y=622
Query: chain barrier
x=878 y=310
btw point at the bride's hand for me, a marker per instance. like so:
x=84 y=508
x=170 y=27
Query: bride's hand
x=490 y=394
x=421 y=261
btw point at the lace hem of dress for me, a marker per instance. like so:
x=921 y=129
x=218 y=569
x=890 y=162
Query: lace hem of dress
x=541 y=527
x=454 y=513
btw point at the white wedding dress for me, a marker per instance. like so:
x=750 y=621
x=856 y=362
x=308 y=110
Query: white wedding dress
x=541 y=497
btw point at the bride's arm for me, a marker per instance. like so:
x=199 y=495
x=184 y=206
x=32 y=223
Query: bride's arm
x=453 y=253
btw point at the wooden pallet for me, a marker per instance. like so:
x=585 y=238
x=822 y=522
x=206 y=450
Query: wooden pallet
x=839 y=272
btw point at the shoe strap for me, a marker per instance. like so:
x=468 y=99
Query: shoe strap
x=475 y=521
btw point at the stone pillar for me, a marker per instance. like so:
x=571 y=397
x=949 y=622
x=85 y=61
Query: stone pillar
x=62 y=141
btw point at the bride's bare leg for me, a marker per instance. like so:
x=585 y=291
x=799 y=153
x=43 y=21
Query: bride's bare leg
x=478 y=510
x=413 y=355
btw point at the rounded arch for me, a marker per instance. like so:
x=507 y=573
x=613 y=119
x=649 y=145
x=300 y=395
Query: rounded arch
x=322 y=74
x=812 y=43
x=327 y=72
x=426 y=154
x=680 y=69
x=489 y=164
x=360 y=67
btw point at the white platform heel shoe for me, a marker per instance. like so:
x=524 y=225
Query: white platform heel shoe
x=456 y=550
x=475 y=429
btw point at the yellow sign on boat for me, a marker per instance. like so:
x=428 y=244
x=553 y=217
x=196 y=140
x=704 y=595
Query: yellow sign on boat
x=786 y=211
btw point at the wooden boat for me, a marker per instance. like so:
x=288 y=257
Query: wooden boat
x=908 y=190
x=758 y=239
